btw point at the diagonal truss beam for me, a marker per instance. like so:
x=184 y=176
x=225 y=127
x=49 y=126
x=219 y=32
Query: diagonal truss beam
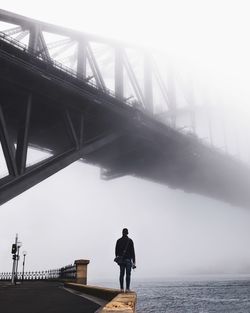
x=133 y=80
x=162 y=86
x=38 y=173
x=22 y=138
x=42 y=48
x=8 y=148
x=170 y=104
x=95 y=68
x=71 y=128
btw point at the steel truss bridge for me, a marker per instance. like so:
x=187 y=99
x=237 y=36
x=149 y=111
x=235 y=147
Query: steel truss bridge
x=70 y=114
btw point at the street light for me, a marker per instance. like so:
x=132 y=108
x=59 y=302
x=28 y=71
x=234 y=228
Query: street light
x=13 y=251
x=19 y=244
x=24 y=255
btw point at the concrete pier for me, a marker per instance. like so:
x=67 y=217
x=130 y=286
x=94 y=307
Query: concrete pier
x=65 y=291
x=117 y=302
x=55 y=297
x=41 y=297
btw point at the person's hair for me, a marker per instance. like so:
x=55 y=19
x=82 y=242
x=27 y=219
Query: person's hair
x=125 y=231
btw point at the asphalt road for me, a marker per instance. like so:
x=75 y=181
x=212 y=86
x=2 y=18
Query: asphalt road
x=42 y=297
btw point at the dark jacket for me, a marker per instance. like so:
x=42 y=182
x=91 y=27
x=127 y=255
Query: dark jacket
x=121 y=245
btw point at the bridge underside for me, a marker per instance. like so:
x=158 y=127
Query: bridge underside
x=44 y=108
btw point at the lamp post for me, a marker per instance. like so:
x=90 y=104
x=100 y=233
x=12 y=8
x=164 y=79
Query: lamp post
x=13 y=251
x=24 y=255
x=19 y=244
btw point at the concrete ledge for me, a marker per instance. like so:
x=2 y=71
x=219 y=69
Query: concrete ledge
x=123 y=303
x=119 y=302
x=99 y=292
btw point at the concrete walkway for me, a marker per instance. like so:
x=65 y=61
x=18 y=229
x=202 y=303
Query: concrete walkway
x=42 y=297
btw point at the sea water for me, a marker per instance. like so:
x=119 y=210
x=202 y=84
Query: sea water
x=222 y=295
x=230 y=296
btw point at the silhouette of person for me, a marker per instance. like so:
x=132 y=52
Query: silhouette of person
x=125 y=249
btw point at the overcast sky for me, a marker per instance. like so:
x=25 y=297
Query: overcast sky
x=75 y=215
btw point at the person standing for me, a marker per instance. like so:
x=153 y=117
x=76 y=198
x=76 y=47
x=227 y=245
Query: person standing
x=125 y=249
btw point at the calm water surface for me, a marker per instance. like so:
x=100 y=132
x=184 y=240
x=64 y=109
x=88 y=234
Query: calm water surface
x=192 y=296
x=195 y=297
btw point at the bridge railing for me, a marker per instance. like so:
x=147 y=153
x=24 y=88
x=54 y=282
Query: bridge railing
x=41 y=275
x=68 y=272
x=55 y=64
x=76 y=272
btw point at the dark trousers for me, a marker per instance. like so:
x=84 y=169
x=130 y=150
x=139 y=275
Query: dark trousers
x=125 y=267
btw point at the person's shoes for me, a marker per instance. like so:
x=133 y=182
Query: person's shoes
x=127 y=290
x=121 y=290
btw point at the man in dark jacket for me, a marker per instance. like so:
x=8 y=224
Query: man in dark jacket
x=125 y=249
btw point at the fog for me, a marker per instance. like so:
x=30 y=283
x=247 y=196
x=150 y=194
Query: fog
x=74 y=214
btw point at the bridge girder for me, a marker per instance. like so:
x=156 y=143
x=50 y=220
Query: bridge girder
x=142 y=91
x=47 y=106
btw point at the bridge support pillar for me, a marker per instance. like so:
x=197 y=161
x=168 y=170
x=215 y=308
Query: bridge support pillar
x=81 y=59
x=172 y=96
x=34 y=38
x=81 y=271
x=148 y=86
x=191 y=98
x=119 y=89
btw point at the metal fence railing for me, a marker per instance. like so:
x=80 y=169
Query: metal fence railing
x=66 y=272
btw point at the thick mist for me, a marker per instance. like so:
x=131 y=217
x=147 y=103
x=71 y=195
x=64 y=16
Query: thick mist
x=74 y=214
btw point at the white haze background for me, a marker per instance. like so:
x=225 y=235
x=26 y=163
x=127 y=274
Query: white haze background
x=74 y=214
